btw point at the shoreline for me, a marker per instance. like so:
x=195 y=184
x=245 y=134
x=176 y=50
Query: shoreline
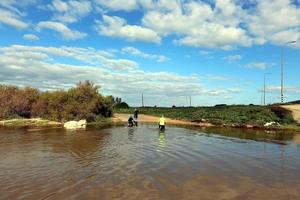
x=121 y=118
x=295 y=109
x=33 y=122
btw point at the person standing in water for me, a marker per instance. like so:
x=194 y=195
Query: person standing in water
x=136 y=113
x=162 y=123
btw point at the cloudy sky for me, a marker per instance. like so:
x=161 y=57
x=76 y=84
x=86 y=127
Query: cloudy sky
x=216 y=51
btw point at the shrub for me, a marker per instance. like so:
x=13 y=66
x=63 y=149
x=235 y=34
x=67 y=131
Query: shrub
x=16 y=102
x=284 y=115
x=81 y=102
x=121 y=105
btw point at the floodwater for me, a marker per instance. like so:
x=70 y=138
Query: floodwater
x=141 y=163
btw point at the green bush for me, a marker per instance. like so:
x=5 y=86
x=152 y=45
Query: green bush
x=121 y=105
x=222 y=114
x=81 y=102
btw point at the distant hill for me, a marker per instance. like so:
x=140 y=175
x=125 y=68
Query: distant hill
x=294 y=102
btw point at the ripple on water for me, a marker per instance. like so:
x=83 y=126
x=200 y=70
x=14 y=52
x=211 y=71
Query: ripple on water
x=142 y=163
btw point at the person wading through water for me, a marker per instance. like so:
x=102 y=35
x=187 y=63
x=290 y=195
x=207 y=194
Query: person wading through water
x=131 y=122
x=162 y=123
x=135 y=115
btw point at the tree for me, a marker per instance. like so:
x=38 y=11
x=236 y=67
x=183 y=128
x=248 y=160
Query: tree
x=81 y=102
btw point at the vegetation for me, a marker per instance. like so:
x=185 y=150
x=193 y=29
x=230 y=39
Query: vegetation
x=30 y=123
x=81 y=102
x=119 y=104
x=85 y=102
x=278 y=136
x=223 y=114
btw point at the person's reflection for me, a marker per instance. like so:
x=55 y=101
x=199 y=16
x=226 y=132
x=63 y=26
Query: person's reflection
x=130 y=134
x=162 y=139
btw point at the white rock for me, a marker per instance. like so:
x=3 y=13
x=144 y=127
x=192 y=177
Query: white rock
x=271 y=123
x=75 y=124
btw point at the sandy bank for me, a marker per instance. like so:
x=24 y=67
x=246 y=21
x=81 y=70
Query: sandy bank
x=123 y=118
x=153 y=119
x=30 y=122
x=295 y=111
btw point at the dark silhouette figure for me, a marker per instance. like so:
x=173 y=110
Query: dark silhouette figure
x=136 y=113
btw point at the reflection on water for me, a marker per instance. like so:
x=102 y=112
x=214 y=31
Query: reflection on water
x=143 y=163
x=162 y=139
x=130 y=133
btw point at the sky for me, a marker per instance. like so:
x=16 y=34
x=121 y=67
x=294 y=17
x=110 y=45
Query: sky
x=212 y=51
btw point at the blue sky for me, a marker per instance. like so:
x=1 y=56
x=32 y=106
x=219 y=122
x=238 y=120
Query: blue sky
x=216 y=51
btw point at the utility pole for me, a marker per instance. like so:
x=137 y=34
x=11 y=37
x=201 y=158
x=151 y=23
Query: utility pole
x=142 y=100
x=265 y=87
x=261 y=96
x=281 y=90
x=190 y=101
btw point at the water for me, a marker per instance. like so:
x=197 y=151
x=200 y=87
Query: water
x=141 y=163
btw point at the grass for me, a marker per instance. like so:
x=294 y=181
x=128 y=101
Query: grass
x=36 y=122
x=236 y=115
x=224 y=115
x=103 y=122
x=252 y=134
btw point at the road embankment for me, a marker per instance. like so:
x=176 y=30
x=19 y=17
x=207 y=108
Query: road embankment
x=295 y=109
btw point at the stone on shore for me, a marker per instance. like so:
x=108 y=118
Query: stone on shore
x=81 y=124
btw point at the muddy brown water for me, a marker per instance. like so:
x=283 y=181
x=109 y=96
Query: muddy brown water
x=141 y=163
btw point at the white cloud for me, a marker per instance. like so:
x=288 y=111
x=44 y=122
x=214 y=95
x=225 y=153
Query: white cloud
x=11 y=19
x=59 y=6
x=136 y=52
x=207 y=54
x=199 y=25
x=31 y=37
x=131 y=5
x=13 y=13
x=276 y=21
x=218 y=24
x=259 y=65
x=277 y=89
x=70 y=11
x=285 y=37
x=62 y=29
x=118 y=27
x=41 y=67
x=126 y=5
x=15 y=5
x=221 y=91
x=232 y=58
x=88 y=56
x=120 y=64
x=214 y=77
x=20 y=63
x=227 y=24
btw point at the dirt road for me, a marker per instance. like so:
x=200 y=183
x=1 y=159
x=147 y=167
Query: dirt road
x=295 y=111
